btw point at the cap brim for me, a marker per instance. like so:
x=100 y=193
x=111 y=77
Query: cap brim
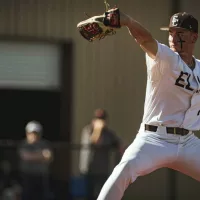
x=165 y=28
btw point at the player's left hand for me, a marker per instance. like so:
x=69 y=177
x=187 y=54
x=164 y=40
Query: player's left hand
x=98 y=27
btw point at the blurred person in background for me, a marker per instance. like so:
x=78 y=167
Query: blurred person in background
x=35 y=157
x=97 y=144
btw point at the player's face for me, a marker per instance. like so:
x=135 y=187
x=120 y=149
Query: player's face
x=181 y=40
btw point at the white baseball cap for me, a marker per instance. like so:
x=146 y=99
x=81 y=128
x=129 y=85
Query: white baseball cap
x=33 y=126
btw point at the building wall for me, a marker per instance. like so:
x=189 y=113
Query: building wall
x=109 y=73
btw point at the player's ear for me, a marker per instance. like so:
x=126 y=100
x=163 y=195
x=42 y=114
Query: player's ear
x=194 y=37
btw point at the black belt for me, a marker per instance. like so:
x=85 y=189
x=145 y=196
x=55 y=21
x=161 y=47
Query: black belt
x=170 y=130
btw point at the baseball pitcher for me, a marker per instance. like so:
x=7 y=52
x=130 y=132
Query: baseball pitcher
x=172 y=103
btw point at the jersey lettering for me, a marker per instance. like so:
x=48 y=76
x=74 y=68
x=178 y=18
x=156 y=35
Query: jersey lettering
x=188 y=85
x=181 y=82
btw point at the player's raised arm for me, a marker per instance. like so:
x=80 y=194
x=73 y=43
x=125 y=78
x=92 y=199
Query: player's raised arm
x=142 y=36
x=98 y=27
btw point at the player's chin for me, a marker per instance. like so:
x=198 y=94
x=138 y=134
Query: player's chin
x=175 y=49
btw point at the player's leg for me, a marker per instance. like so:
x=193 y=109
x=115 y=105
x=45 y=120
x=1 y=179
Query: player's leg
x=147 y=153
x=188 y=161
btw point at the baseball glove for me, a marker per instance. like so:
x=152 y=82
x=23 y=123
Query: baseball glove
x=98 y=27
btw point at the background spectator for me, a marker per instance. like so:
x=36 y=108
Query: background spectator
x=35 y=157
x=98 y=143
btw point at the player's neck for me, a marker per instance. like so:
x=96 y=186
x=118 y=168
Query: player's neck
x=188 y=59
x=187 y=56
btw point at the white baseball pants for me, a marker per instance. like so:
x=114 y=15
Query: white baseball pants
x=148 y=152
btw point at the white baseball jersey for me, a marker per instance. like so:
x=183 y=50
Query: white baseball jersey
x=172 y=95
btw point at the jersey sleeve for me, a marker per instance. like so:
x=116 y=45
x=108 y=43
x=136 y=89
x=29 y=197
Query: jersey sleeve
x=165 y=61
